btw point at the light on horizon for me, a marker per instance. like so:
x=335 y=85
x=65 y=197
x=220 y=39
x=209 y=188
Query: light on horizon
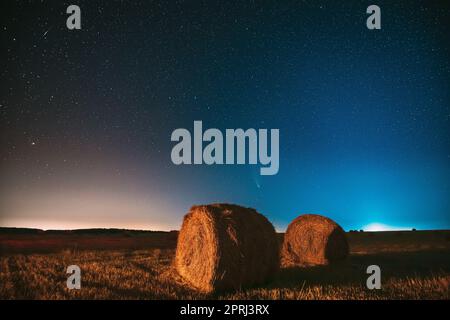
x=383 y=227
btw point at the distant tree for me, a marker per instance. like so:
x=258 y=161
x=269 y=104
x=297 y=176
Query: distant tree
x=361 y=230
x=414 y=229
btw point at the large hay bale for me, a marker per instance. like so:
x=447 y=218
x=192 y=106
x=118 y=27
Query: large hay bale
x=226 y=247
x=312 y=239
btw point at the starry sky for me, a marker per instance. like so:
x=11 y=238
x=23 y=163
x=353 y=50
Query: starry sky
x=86 y=115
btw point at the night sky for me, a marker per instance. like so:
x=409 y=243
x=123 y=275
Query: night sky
x=86 y=115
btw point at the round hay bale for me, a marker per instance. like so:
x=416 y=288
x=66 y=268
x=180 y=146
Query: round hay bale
x=312 y=239
x=226 y=247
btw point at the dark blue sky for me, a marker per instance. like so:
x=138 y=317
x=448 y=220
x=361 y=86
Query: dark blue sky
x=87 y=115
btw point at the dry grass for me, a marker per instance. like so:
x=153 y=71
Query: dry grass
x=421 y=271
x=144 y=274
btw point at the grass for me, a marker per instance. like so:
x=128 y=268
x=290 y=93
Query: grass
x=415 y=266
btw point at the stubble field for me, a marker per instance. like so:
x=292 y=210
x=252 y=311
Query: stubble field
x=414 y=265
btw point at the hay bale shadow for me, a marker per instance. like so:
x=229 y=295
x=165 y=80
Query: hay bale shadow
x=394 y=265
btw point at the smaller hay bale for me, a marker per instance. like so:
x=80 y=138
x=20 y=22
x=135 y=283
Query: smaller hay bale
x=226 y=247
x=312 y=239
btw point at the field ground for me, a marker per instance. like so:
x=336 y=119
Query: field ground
x=138 y=265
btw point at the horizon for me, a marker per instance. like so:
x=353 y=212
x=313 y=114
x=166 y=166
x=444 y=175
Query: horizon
x=375 y=227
